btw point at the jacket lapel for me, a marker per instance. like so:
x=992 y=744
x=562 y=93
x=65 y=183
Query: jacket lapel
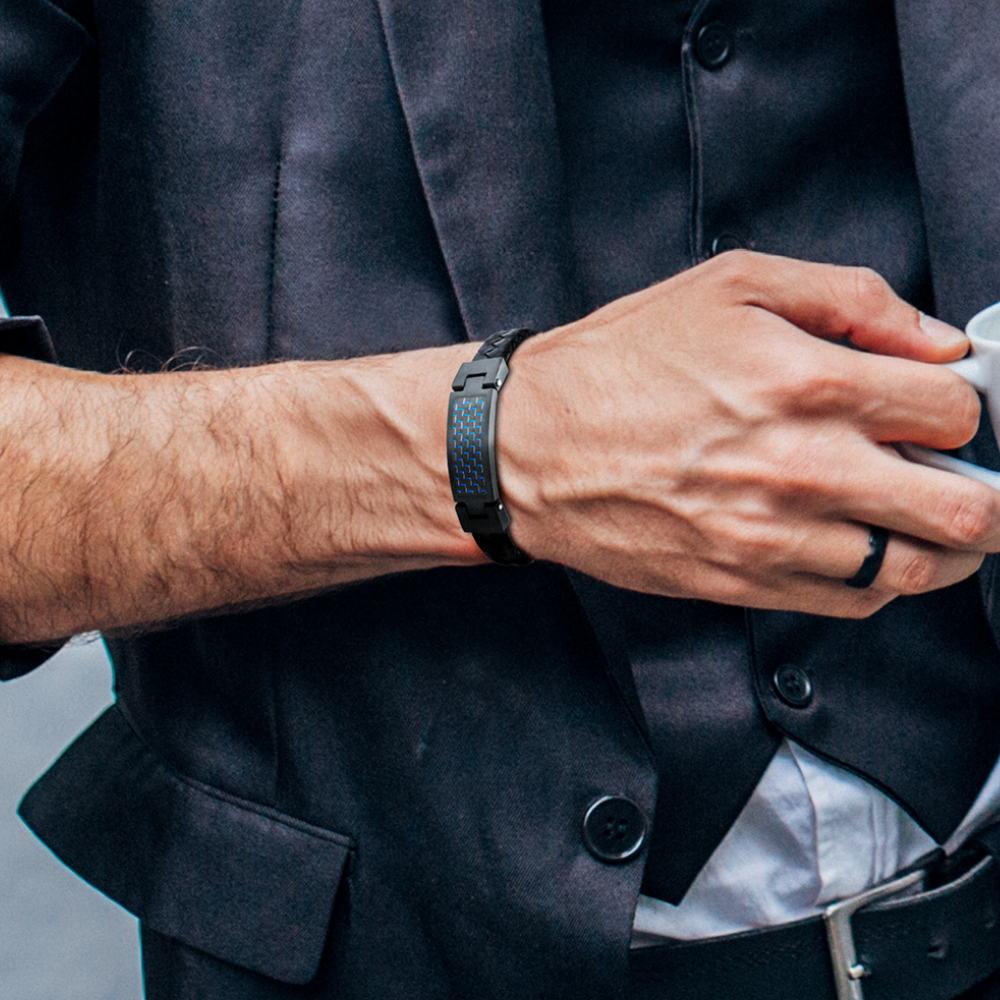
x=474 y=84
x=951 y=66
x=950 y=51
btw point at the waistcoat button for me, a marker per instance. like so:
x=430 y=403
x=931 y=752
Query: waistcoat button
x=724 y=242
x=614 y=829
x=793 y=685
x=713 y=45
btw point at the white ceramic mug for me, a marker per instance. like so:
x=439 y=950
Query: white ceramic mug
x=981 y=368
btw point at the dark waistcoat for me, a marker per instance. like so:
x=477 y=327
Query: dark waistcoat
x=405 y=763
x=748 y=123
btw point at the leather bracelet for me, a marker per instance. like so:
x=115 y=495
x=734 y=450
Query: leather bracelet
x=472 y=463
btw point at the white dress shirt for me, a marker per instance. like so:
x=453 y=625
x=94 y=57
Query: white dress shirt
x=811 y=833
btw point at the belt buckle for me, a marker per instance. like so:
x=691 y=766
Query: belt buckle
x=847 y=970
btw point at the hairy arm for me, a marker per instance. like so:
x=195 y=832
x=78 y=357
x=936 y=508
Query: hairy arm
x=702 y=438
x=134 y=499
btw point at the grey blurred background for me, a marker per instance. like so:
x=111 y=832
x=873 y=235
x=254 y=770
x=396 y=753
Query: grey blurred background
x=59 y=939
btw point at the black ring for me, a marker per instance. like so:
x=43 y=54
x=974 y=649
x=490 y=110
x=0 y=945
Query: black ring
x=878 y=539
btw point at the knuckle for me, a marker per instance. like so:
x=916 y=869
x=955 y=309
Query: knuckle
x=802 y=469
x=917 y=574
x=871 y=290
x=735 y=270
x=801 y=473
x=811 y=387
x=737 y=262
x=791 y=377
x=765 y=549
x=970 y=520
x=807 y=377
x=739 y=544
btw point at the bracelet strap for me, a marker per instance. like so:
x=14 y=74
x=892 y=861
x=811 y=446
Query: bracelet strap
x=472 y=463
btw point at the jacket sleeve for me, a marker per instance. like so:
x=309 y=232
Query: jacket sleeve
x=28 y=337
x=40 y=43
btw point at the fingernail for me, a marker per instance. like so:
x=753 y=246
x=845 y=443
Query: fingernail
x=943 y=333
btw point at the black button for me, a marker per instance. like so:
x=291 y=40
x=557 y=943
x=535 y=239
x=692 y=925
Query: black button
x=724 y=242
x=714 y=45
x=614 y=829
x=793 y=685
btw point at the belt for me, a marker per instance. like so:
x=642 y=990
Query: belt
x=897 y=941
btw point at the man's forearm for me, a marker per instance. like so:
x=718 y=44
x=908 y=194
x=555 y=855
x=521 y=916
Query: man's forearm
x=127 y=500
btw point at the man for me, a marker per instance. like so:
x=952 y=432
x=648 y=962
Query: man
x=426 y=775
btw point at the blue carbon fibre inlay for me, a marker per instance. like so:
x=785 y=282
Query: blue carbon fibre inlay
x=468 y=437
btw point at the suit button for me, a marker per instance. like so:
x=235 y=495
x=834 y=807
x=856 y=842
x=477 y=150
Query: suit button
x=614 y=829
x=793 y=685
x=713 y=46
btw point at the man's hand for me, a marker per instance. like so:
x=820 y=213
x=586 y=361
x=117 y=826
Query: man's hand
x=704 y=438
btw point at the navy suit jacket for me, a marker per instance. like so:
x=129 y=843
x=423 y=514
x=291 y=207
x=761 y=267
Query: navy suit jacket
x=400 y=769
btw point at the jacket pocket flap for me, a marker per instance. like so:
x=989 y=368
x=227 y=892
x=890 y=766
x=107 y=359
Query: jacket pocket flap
x=240 y=881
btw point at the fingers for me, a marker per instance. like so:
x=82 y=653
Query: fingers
x=941 y=508
x=834 y=551
x=779 y=481
x=896 y=400
x=910 y=567
x=839 y=303
x=889 y=399
x=914 y=567
x=940 y=525
x=892 y=398
x=854 y=482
